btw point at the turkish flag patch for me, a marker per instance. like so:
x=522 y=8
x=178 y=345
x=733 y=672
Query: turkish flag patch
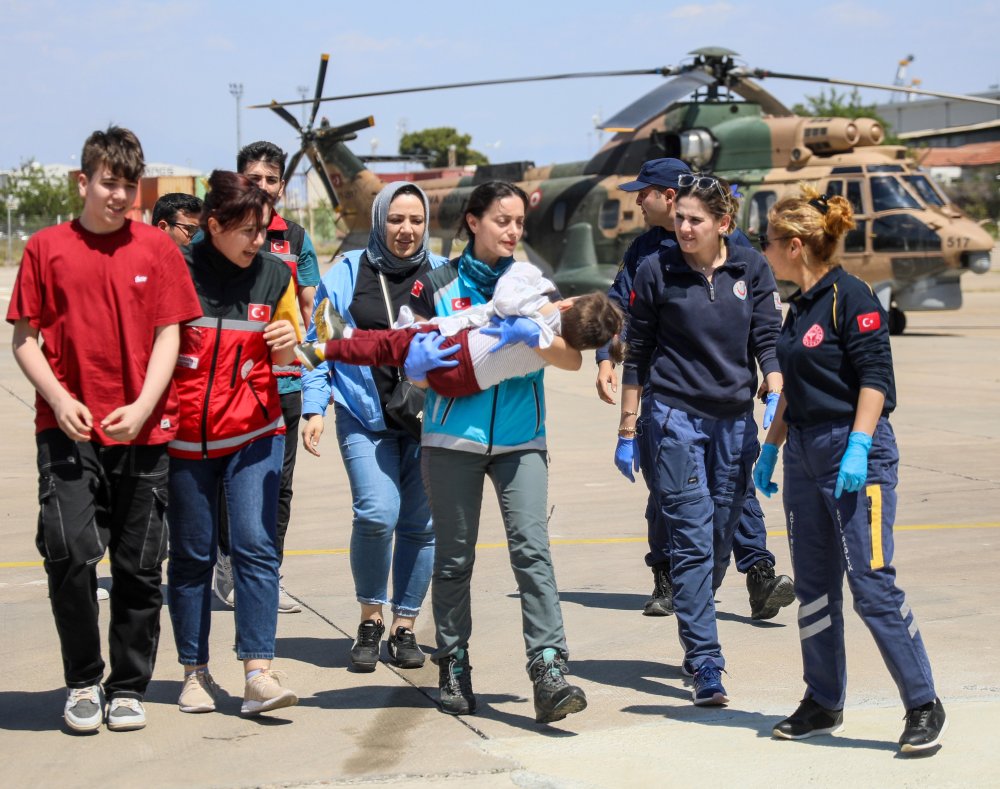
x=461 y=303
x=870 y=321
x=259 y=312
x=281 y=247
x=417 y=289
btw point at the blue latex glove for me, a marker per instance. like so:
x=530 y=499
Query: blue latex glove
x=426 y=354
x=626 y=458
x=513 y=330
x=854 y=464
x=764 y=469
x=770 y=406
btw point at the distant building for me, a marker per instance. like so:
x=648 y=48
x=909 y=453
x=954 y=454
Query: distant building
x=944 y=123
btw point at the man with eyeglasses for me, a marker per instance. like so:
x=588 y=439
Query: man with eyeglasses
x=656 y=191
x=178 y=215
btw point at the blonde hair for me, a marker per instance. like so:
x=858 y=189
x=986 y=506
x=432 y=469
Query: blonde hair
x=816 y=220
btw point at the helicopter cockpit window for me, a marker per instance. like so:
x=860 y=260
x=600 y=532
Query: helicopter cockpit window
x=759 y=206
x=885 y=168
x=854 y=197
x=903 y=233
x=888 y=194
x=854 y=240
x=609 y=214
x=559 y=216
x=923 y=187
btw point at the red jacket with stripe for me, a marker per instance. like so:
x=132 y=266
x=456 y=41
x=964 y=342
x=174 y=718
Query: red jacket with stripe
x=228 y=393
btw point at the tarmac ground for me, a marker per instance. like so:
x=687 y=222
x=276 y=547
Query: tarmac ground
x=640 y=728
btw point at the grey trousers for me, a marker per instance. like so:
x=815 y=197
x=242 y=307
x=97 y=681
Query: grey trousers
x=454 y=482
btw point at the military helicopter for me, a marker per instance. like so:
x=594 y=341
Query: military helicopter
x=912 y=244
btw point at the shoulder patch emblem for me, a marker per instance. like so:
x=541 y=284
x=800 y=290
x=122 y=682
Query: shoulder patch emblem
x=740 y=290
x=813 y=337
x=870 y=321
x=281 y=247
x=777 y=300
x=461 y=303
x=417 y=289
x=259 y=312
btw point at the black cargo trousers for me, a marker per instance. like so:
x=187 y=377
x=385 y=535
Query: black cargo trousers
x=94 y=498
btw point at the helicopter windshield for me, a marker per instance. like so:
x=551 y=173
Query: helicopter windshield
x=923 y=187
x=888 y=194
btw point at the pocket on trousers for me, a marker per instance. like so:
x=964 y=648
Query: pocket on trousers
x=154 y=544
x=676 y=470
x=51 y=537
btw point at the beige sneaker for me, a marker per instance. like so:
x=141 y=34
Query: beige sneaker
x=263 y=693
x=198 y=693
x=286 y=603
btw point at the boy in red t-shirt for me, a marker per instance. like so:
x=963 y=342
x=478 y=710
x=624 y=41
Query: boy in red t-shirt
x=106 y=297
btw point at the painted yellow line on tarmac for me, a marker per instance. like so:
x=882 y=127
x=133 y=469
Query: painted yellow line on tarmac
x=581 y=541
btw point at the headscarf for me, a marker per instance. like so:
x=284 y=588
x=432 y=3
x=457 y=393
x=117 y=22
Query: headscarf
x=377 y=250
x=479 y=275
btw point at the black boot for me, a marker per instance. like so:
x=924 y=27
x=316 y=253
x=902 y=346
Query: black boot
x=555 y=698
x=455 y=684
x=662 y=601
x=768 y=593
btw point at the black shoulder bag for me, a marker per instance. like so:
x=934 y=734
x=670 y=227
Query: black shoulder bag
x=406 y=403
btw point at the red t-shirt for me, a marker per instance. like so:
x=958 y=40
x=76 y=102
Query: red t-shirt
x=96 y=300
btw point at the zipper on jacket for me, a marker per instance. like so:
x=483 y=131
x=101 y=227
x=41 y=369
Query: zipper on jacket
x=538 y=407
x=447 y=410
x=253 y=391
x=208 y=389
x=493 y=420
x=236 y=366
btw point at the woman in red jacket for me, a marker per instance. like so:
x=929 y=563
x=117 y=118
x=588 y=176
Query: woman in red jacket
x=230 y=438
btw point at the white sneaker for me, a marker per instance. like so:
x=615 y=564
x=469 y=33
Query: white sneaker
x=126 y=714
x=198 y=693
x=102 y=594
x=84 y=710
x=263 y=692
x=286 y=603
x=222 y=583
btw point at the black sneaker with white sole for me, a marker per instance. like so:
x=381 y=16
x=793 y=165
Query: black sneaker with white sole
x=811 y=719
x=403 y=649
x=924 y=726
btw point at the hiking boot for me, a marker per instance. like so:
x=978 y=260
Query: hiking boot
x=199 y=692
x=310 y=354
x=708 y=690
x=924 y=726
x=662 y=601
x=555 y=698
x=286 y=603
x=768 y=593
x=403 y=649
x=126 y=713
x=365 y=652
x=809 y=720
x=263 y=692
x=84 y=710
x=222 y=582
x=455 y=684
x=329 y=323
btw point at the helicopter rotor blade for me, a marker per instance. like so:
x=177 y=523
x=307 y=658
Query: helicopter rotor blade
x=349 y=128
x=320 y=167
x=761 y=73
x=324 y=61
x=664 y=71
x=285 y=115
x=656 y=101
x=290 y=170
x=754 y=93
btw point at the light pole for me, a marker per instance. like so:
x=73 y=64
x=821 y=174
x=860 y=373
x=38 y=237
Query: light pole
x=236 y=91
x=303 y=92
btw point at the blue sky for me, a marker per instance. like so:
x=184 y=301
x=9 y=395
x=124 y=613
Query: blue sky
x=163 y=68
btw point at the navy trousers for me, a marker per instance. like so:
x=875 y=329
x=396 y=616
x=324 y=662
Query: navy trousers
x=829 y=537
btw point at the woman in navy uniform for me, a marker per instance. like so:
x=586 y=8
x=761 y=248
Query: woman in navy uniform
x=702 y=314
x=840 y=464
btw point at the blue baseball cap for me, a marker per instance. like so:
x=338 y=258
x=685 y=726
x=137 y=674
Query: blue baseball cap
x=657 y=172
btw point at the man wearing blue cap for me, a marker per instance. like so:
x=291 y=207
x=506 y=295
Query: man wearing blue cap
x=656 y=190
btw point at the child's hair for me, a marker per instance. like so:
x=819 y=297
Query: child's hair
x=819 y=221
x=118 y=149
x=592 y=322
x=260 y=151
x=231 y=198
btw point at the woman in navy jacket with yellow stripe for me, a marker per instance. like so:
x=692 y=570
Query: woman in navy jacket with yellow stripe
x=840 y=465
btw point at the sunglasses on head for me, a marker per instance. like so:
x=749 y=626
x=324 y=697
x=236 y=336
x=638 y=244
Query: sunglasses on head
x=698 y=181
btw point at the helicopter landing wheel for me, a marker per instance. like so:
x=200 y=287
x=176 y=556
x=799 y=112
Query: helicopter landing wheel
x=897 y=321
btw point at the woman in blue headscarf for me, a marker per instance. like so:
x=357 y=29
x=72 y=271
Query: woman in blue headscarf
x=382 y=459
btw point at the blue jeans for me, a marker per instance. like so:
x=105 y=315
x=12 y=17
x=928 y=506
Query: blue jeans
x=388 y=500
x=249 y=478
x=699 y=471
